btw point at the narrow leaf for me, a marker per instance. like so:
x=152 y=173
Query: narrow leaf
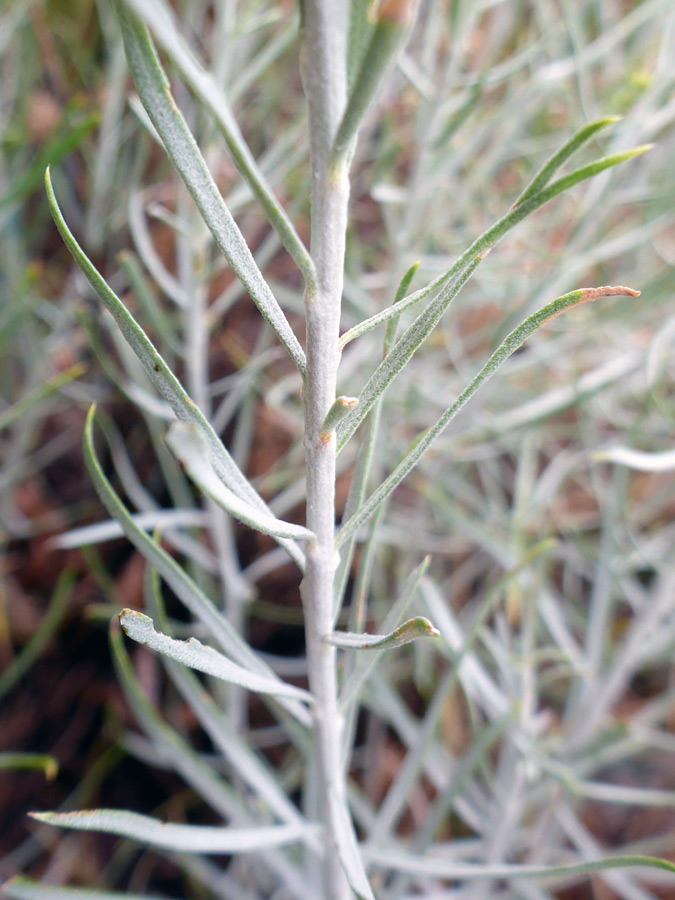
x=154 y=91
x=401 y=354
x=160 y=374
x=366 y=663
x=183 y=838
x=195 y=655
x=585 y=172
x=360 y=29
x=26 y=889
x=190 y=447
x=56 y=150
x=577 y=140
x=390 y=315
x=638 y=459
x=359 y=483
x=419 y=627
x=171 y=748
x=165 y=519
x=336 y=413
x=249 y=765
x=393 y=23
x=210 y=95
x=45 y=631
x=451 y=283
x=540 y=180
x=430 y=866
x=39 y=393
x=508 y=346
x=178 y=580
x=198 y=772
x=47 y=764
x=347 y=847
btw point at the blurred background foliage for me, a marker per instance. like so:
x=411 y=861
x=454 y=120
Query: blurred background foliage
x=583 y=642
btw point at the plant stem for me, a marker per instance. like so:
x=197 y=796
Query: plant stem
x=324 y=79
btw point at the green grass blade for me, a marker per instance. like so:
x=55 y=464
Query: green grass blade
x=158 y=18
x=451 y=283
x=160 y=374
x=39 y=393
x=58 y=606
x=183 y=838
x=154 y=92
x=195 y=655
x=57 y=149
x=30 y=761
x=508 y=346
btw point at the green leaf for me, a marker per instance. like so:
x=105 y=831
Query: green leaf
x=195 y=655
x=176 y=577
x=437 y=867
x=160 y=374
x=360 y=30
x=26 y=889
x=419 y=627
x=393 y=24
x=56 y=150
x=245 y=760
x=182 y=838
x=508 y=346
x=30 y=761
x=366 y=664
x=172 y=748
x=58 y=606
x=39 y=393
x=401 y=354
x=158 y=18
x=154 y=92
x=189 y=446
x=390 y=315
x=337 y=412
x=577 y=140
x=451 y=283
x=364 y=459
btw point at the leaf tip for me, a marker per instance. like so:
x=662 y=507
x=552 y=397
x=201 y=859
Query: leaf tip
x=607 y=290
x=398 y=12
x=638 y=151
x=42 y=816
x=348 y=402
